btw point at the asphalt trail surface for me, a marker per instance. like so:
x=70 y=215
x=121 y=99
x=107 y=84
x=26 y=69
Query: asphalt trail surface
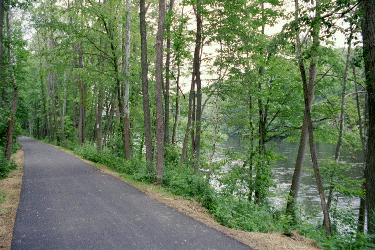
x=68 y=204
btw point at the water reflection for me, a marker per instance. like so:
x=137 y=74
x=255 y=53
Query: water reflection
x=308 y=195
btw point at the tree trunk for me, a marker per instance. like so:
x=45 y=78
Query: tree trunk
x=167 y=75
x=62 y=116
x=198 y=113
x=360 y=123
x=318 y=177
x=99 y=123
x=368 y=34
x=145 y=95
x=11 y=122
x=2 y=63
x=159 y=133
x=296 y=180
x=110 y=114
x=2 y=11
x=177 y=106
x=362 y=204
x=308 y=90
x=190 y=111
x=127 y=83
x=178 y=63
x=82 y=103
x=341 y=121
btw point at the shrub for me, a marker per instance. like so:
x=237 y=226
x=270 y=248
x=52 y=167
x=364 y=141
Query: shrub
x=5 y=166
x=245 y=215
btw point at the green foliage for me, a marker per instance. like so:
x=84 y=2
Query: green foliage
x=134 y=166
x=242 y=214
x=5 y=166
x=352 y=241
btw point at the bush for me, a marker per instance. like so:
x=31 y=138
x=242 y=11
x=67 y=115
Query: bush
x=245 y=215
x=134 y=167
x=5 y=166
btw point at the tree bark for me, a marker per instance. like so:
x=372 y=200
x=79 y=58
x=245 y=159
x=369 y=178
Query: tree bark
x=341 y=120
x=2 y=11
x=177 y=106
x=167 y=75
x=362 y=204
x=2 y=63
x=99 y=122
x=296 y=180
x=368 y=34
x=198 y=113
x=62 y=116
x=11 y=122
x=82 y=103
x=190 y=111
x=110 y=114
x=308 y=90
x=360 y=123
x=145 y=95
x=159 y=133
x=127 y=83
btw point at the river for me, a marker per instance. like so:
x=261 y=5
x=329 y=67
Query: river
x=308 y=195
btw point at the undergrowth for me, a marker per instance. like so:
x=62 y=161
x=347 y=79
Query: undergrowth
x=5 y=166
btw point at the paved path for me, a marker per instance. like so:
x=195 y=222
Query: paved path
x=68 y=204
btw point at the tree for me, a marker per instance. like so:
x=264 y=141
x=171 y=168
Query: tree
x=159 y=133
x=127 y=82
x=145 y=95
x=368 y=34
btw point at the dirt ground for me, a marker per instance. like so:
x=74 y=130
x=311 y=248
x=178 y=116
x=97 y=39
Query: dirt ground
x=11 y=189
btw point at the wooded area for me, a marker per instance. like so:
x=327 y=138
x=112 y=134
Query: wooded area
x=151 y=88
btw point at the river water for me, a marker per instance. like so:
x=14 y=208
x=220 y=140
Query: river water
x=308 y=195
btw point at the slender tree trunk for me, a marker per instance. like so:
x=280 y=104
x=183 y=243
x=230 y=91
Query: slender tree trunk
x=318 y=178
x=145 y=95
x=178 y=63
x=360 y=123
x=217 y=89
x=296 y=180
x=168 y=75
x=198 y=46
x=250 y=184
x=127 y=83
x=62 y=116
x=52 y=104
x=74 y=105
x=2 y=63
x=308 y=90
x=110 y=113
x=190 y=111
x=2 y=11
x=159 y=133
x=192 y=131
x=82 y=103
x=177 y=105
x=362 y=204
x=368 y=34
x=99 y=123
x=341 y=121
x=11 y=122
